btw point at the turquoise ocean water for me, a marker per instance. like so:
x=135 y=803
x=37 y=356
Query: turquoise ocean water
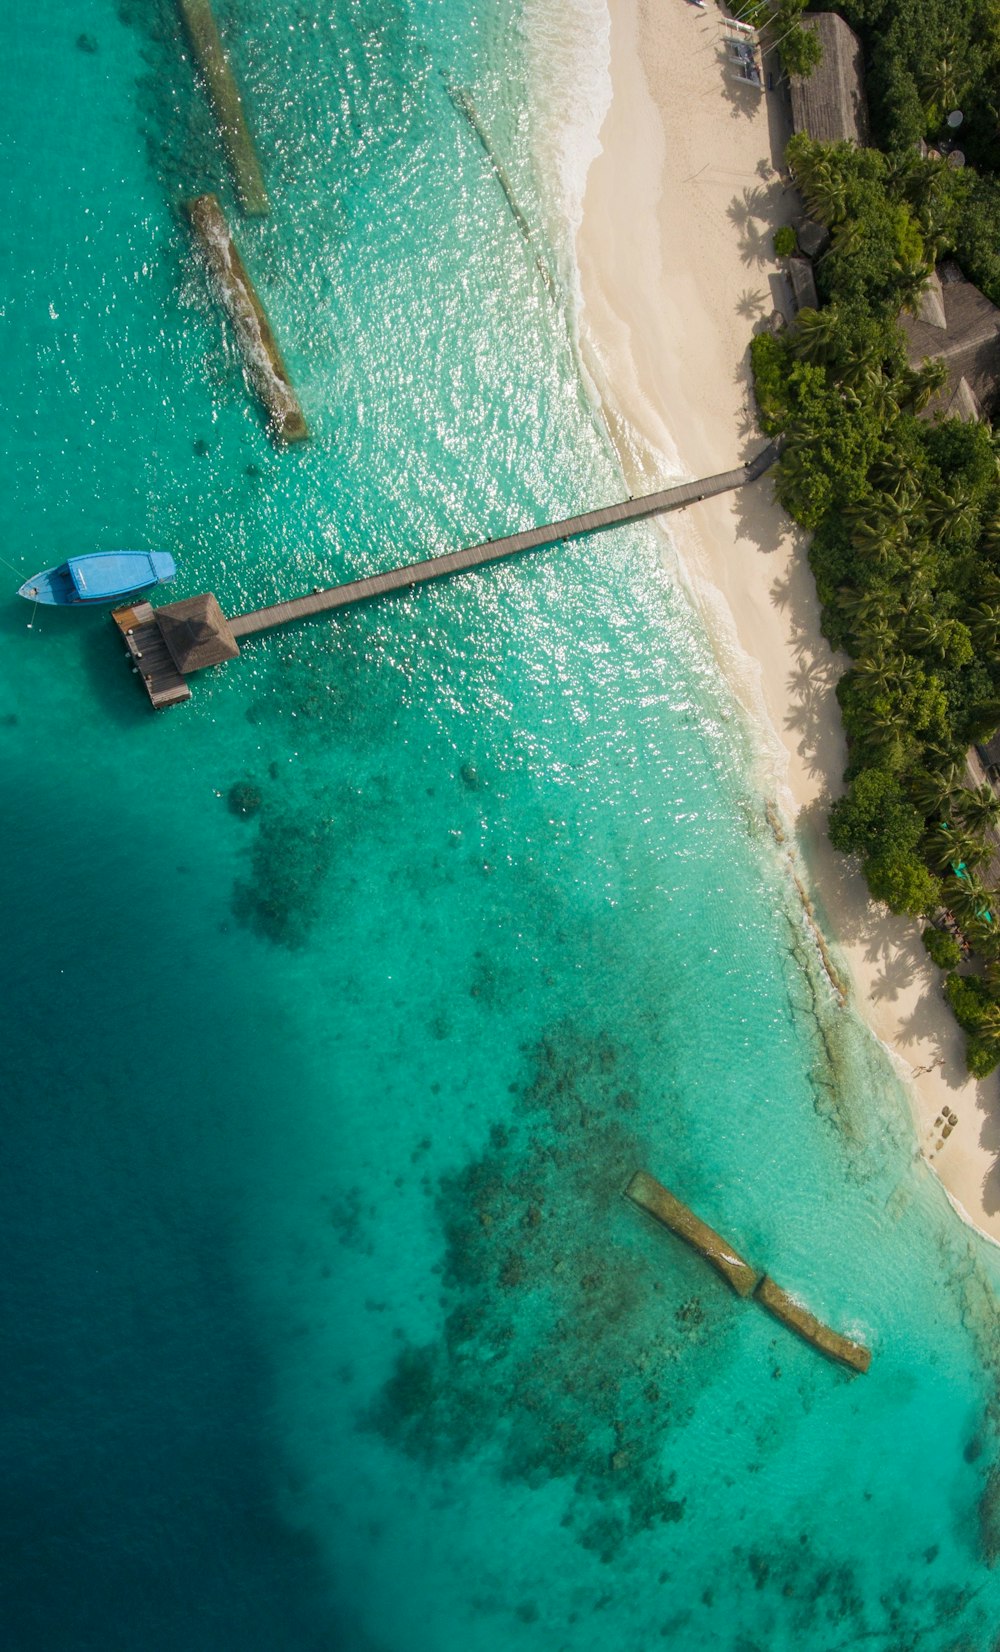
x=324 y=1323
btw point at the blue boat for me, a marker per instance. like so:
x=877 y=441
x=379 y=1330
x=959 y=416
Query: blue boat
x=102 y=576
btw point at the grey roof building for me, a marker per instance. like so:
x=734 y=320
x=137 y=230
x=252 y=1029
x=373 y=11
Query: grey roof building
x=803 y=284
x=957 y=324
x=830 y=103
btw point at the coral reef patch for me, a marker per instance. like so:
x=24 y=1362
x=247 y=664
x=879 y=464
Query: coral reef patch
x=290 y=860
x=581 y=1378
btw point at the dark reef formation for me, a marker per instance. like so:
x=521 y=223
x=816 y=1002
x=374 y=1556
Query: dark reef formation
x=577 y=1380
x=290 y=859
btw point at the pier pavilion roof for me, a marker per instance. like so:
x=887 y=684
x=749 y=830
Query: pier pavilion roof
x=957 y=324
x=830 y=104
x=197 y=633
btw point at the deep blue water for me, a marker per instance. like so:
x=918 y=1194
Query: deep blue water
x=324 y=1322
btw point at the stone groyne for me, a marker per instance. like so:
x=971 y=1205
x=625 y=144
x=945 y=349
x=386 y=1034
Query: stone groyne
x=238 y=297
x=210 y=56
x=651 y=1196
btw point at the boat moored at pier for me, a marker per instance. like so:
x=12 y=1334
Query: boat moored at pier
x=103 y=576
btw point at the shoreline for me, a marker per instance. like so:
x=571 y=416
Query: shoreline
x=677 y=272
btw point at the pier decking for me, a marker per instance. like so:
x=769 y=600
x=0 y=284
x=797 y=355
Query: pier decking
x=163 y=687
x=150 y=656
x=494 y=550
x=651 y=1196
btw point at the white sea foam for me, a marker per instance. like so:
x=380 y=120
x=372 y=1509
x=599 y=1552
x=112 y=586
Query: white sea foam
x=568 y=66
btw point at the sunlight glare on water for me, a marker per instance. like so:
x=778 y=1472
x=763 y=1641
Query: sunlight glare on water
x=346 y=998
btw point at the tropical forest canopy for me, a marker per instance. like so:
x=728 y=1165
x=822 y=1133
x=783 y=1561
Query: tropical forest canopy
x=924 y=59
x=905 y=521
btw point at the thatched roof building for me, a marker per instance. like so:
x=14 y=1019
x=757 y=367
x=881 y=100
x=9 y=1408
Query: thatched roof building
x=957 y=324
x=197 y=633
x=803 y=284
x=830 y=103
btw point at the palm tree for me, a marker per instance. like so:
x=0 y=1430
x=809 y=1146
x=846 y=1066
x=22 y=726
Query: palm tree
x=925 y=632
x=893 y=507
x=861 y=606
x=947 y=765
x=989 y=1021
x=875 y=673
x=990 y=537
x=969 y=900
x=878 y=727
x=812 y=337
x=867 y=386
x=875 y=635
x=984 y=624
x=911 y=279
x=901 y=173
x=894 y=474
x=846 y=238
x=824 y=193
x=946 y=847
x=979 y=808
x=931 y=793
x=879 y=539
x=923 y=383
x=941 y=84
x=948 y=512
x=933 y=220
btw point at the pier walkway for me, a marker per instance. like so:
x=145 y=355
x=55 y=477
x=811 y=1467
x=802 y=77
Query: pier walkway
x=494 y=550
x=166 y=645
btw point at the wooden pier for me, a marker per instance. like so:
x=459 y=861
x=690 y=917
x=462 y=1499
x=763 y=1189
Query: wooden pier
x=238 y=297
x=210 y=56
x=651 y=1196
x=218 y=637
x=150 y=657
x=167 y=644
x=494 y=550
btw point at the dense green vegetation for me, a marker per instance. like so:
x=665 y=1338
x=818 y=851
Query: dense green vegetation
x=799 y=49
x=905 y=517
x=925 y=58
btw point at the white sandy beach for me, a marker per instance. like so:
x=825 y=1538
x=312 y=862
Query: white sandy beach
x=677 y=271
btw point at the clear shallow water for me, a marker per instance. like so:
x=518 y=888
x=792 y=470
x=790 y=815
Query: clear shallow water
x=325 y=1325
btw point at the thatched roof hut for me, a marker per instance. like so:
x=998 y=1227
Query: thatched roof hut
x=197 y=633
x=803 y=284
x=957 y=324
x=830 y=103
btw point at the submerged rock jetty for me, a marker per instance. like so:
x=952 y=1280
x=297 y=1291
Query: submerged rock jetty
x=651 y=1196
x=806 y=1325
x=238 y=297
x=210 y=56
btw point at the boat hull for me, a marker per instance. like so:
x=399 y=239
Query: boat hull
x=104 y=577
